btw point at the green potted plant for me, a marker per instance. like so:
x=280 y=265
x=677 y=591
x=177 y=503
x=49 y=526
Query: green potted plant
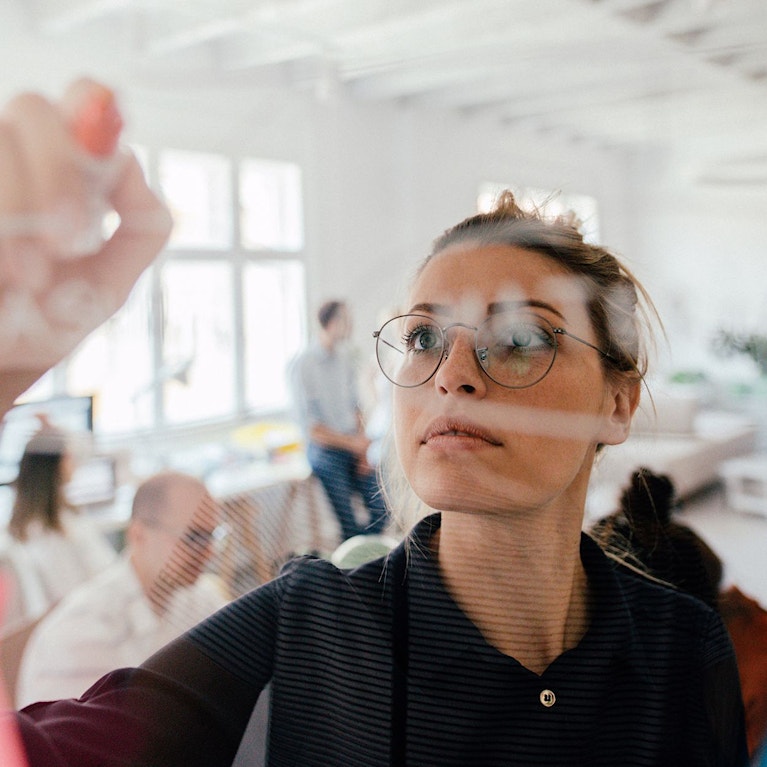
x=753 y=345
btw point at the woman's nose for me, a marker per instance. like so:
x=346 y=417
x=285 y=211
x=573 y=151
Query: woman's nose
x=460 y=370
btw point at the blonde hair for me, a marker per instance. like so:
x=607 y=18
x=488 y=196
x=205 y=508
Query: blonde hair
x=617 y=304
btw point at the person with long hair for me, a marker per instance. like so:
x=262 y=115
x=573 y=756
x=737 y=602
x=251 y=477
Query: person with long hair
x=53 y=547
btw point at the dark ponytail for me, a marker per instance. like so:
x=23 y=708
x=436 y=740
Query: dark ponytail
x=669 y=551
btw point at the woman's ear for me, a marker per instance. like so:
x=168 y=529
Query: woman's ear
x=622 y=402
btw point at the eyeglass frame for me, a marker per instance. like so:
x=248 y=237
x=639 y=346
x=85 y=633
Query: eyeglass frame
x=191 y=536
x=558 y=331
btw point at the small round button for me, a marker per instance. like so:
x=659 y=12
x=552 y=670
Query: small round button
x=547 y=698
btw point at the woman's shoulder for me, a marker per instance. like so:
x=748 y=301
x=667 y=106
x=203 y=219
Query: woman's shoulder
x=661 y=611
x=311 y=580
x=309 y=604
x=318 y=577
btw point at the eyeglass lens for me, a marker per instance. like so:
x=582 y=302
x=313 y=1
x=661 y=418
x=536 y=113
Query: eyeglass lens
x=516 y=349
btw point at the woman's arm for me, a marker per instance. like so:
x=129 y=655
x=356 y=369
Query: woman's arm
x=186 y=706
x=50 y=300
x=180 y=710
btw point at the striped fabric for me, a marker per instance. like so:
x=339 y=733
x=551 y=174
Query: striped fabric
x=653 y=682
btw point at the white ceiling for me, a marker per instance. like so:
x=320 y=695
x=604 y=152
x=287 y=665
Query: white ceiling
x=687 y=75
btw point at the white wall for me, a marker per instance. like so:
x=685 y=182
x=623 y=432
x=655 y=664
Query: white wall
x=703 y=255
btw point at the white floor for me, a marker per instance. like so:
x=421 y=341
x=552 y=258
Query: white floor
x=739 y=538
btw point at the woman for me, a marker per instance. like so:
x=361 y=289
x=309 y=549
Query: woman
x=497 y=633
x=663 y=547
x=52 y=548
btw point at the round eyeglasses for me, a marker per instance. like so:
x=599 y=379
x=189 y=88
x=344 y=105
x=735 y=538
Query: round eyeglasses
x=515 y=349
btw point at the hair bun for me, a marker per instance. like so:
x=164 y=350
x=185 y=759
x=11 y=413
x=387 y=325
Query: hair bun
x=648 y=499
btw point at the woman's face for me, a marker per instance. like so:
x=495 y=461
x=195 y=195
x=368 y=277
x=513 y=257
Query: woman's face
x=467 y=443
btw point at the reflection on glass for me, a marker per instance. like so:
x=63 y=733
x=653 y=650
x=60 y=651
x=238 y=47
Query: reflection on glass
x=198 y=341
x=115 y=364
x=274 y=329
x=197 y=189
x=271 y=214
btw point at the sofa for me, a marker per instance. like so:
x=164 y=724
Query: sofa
x=672 y=434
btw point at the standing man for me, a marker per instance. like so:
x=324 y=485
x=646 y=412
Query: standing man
x=327 y=408
x=150 y=595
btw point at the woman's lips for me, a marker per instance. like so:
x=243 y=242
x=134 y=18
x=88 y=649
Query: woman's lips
x=456 y=432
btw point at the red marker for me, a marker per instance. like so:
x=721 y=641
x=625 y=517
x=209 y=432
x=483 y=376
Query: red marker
x=98 y=123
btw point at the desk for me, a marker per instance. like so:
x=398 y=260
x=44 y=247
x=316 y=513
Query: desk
x=229 y=480
x=112 y=517
x=273 y=511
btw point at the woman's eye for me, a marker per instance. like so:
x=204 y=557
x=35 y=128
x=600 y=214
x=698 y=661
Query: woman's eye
x=526 y=337
x=422 y=339
x=521 y=337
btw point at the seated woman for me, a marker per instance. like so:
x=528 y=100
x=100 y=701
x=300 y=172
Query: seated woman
x=677 y=555
x=664 y=548
x=52 y=548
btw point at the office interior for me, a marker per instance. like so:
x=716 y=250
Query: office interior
x=313 y=150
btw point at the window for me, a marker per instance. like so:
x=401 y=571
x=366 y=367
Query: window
x=197 y=373
x=547 y=202
x=209 y=329
x=270 y=206
x=115 y=364
x=274 y=329
x=197 y=189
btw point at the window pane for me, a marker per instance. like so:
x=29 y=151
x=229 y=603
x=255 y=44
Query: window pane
x=271 y=214
x=115 y=364
x=274 y=329
x=197 y=189
x=198 y=341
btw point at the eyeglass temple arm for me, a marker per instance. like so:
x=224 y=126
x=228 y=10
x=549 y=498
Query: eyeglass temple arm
x=563 y=332
x=377 y=335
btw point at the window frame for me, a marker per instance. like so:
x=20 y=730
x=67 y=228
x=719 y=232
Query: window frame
x=238 y=257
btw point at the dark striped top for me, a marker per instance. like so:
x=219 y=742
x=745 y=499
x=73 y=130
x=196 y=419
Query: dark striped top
x=653 y=681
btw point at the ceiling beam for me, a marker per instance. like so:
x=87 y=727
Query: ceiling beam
x=67 y=15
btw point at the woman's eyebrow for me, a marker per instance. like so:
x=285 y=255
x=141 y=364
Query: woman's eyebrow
x=493 y=308
x=429 y=308
x=505 y=306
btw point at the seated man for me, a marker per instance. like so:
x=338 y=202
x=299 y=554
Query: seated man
x=152 y=593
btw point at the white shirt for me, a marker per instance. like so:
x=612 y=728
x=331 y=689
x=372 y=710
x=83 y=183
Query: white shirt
x=105 y=624
x=50 y=563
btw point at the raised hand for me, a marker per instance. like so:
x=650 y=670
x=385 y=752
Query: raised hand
x=53 y=289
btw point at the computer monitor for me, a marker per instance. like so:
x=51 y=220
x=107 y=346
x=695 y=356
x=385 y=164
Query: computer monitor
x=74 y=415
x=94 y=481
